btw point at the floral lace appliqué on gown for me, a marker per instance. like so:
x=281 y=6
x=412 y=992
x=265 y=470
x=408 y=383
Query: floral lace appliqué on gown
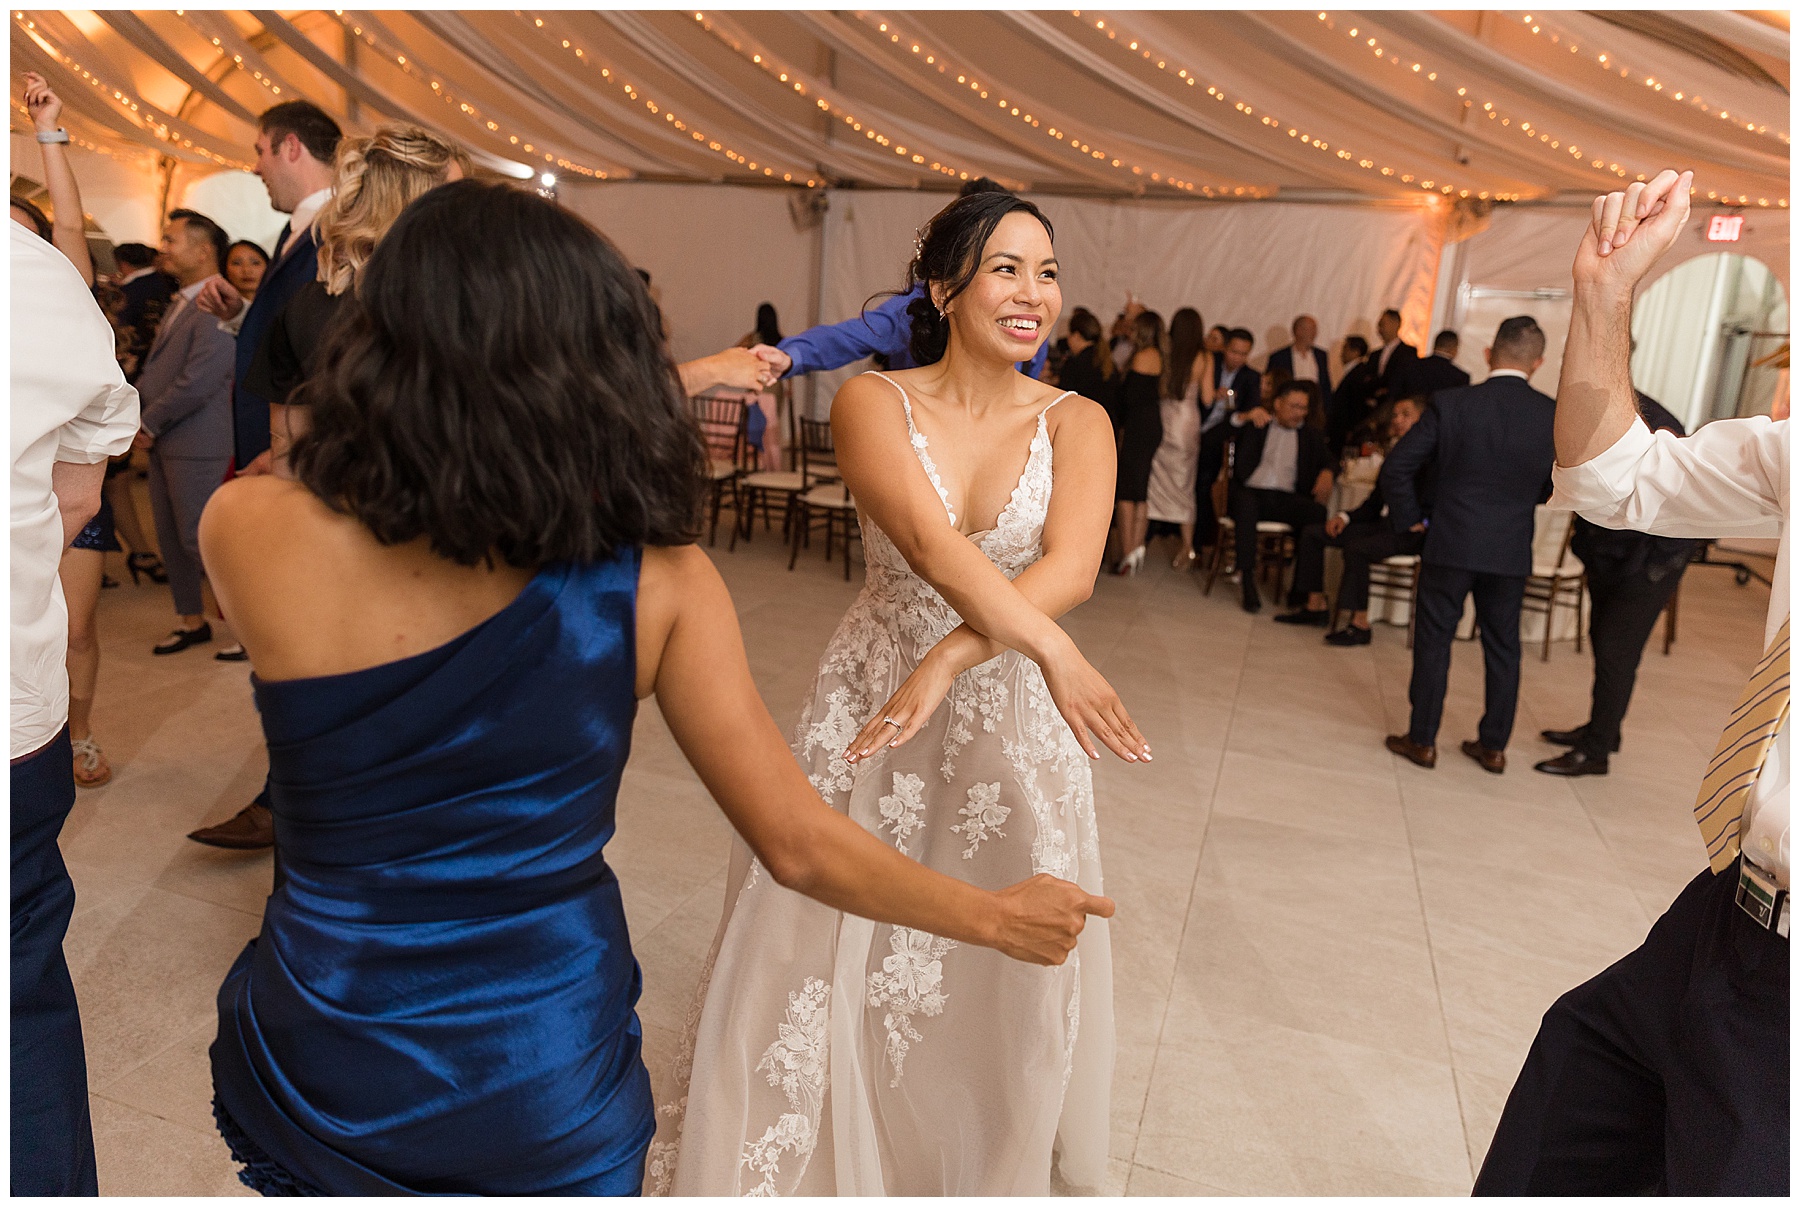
x=834 y=1055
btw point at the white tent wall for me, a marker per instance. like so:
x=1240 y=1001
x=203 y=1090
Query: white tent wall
x=713 y=253
x=1251 y=264
x=118 y=187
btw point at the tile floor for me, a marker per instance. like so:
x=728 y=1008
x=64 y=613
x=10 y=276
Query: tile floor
x=1329 y=962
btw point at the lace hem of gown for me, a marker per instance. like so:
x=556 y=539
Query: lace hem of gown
x=260 y=1172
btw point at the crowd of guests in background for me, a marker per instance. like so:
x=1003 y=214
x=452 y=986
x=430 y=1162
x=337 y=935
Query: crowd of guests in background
x=1187 y=404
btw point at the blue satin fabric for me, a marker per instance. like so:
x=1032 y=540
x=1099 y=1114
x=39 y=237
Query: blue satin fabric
x=440 y=1000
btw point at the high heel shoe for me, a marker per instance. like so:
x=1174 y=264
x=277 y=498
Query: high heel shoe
x=1132 y=563
x=146 y=563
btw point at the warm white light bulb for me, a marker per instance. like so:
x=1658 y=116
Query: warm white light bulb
x=548 y=180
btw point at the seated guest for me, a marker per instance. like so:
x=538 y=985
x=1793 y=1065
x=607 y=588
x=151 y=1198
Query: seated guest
x=1437 y=371
x=1236 y=389
x=185 y=386
x=1354 y=399
x=1303 y=360
x=1394 y=360
x=1282 y=473
x=1215 y=338
x=1366 y=537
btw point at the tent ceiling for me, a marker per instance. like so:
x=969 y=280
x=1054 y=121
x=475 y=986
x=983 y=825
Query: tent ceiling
x=1221 y=104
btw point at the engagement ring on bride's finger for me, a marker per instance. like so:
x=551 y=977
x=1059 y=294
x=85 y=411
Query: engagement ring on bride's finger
x=891 y=721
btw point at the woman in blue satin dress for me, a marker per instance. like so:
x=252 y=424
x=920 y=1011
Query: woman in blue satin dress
x=484 y=562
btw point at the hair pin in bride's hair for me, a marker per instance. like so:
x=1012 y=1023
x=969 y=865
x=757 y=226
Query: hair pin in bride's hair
x=918 y=243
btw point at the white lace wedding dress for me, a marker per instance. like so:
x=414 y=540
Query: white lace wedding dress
x=828 y=1054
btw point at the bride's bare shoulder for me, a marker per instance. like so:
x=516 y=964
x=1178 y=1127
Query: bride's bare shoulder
x=866 y=399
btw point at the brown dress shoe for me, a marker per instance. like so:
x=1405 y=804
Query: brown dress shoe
x=253 y=829
x=1406 y=748
x=1490 y=760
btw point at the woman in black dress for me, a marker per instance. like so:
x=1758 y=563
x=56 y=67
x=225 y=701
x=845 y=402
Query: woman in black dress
x=1088 y=368
x=1140 y=433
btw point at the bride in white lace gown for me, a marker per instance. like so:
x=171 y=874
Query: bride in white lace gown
x=830 y=1054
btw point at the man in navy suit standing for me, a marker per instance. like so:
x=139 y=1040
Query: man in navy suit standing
x=296 y=143
x=1304 y=360
x=1493 y=446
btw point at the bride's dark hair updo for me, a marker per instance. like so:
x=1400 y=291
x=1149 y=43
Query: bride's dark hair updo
x=949 y=253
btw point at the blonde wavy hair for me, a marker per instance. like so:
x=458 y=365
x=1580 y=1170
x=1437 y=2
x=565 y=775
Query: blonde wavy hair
x=374 y=178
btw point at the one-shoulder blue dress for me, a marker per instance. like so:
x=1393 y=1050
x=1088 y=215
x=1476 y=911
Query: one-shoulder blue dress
x=441 y=998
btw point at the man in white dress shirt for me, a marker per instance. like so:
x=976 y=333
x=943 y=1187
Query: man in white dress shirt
x=71 y=410
x=1668 y=1072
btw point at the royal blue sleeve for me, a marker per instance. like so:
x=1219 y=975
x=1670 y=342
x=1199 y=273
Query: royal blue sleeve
x=886 y=329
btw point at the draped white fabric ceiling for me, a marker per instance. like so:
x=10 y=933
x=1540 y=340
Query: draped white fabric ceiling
x=1235 y=104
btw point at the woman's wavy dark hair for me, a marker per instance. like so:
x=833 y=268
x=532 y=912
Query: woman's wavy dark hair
x=950 y=253
x=496 y=384
x=1187 y=340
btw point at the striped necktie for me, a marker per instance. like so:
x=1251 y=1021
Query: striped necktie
x=1760 y=713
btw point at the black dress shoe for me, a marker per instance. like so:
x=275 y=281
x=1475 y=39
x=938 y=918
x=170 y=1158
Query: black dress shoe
x=1575 y=762
x=1349 y=635
x=1569 y=737
x=1252 y=601
x=181 y=639
x=1403 y=745
x=1321 y=618
x=1492 y=761
x=252 y=829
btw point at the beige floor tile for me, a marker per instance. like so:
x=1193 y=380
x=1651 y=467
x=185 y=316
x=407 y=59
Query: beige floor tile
x=140 y=1154
x=147 y=974
x=1331 y=800
x=175 y=1084
x=1153 y=1183
x=1255 y=1108
x=1483 y=1098
x=1553 y=834
x=1526 y=913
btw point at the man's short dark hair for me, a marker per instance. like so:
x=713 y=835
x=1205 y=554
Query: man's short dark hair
x=982 y=184
x=1357 y=343
x=1299 y=386
x=1519 y=339
x=212 y=230
x=134 y=255
x=315 y=129
x=1391 y=314
x=1446 y=339
x=1242 y=333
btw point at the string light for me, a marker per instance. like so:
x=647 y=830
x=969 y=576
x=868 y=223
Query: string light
x=1191 y=78
x=29 y=128
x=1529 y=130
x=255 y=73
x=1053 y=130
x=610 y=75
x=829 y=102
x=141 y=112
x=441 y=89
x=1684 y=96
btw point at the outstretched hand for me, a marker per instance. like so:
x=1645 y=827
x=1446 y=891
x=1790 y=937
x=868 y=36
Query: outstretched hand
x=1631 y=230
x=1041 y=918
x=218 y=298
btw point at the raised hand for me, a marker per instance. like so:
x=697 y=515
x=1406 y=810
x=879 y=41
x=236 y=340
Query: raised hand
x=1092 y=708
x=1260 y=416
x=1041 y=918
x=41 y=102
x=1631 y=230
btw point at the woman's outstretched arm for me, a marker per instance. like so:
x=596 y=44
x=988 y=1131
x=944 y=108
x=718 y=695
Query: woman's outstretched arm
x=691 y=656
x=869 y=429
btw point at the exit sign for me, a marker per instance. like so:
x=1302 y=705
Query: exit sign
x=1725 y=228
